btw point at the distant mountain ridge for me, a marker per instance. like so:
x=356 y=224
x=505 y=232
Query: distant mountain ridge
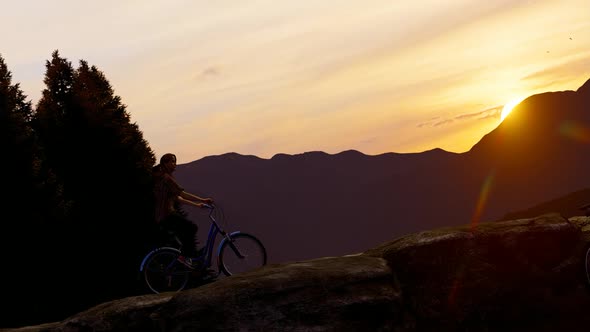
x=295 y=203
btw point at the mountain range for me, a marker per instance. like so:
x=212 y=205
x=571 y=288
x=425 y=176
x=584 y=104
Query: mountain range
x=316 y=204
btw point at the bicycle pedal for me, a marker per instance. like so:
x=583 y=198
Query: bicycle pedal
x=186 y=261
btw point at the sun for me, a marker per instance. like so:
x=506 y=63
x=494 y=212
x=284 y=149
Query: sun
x=509 y=106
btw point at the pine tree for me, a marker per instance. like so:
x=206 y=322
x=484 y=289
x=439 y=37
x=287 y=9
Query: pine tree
x=17 y=146
x=26 y=205
x=51 y=121
x=105 y=166
x=114 y=145
x=87 y=134
x=121 y=180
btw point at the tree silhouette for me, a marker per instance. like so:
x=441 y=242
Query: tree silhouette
x=30 y=202
x=17 y=146
x=52 y=120
x=18 y=166
x=77 y=217
x=104 y=164
x=118 y=178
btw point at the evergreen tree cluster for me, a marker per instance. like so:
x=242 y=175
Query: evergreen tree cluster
x=78 y=214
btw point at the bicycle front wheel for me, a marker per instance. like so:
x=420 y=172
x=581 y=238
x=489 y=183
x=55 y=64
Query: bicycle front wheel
x=164 y=273
x=243 y=253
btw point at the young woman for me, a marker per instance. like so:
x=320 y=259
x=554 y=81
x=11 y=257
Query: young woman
x=168 y=195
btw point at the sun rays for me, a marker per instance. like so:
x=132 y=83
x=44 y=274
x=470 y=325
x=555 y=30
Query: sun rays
x=509 y=106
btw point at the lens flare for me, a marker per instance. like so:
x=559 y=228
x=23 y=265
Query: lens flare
x=456 y=287
x=481 y=202
x=575 y=131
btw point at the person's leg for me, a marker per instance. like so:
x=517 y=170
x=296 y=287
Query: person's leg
x=167 y=233
x=181 y=229
x=188 y=236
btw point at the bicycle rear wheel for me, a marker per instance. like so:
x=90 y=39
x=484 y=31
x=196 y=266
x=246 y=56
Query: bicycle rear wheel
x=243 y=253
x=163 y=272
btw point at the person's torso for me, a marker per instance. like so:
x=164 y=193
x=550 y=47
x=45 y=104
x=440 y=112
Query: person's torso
x=166 y=192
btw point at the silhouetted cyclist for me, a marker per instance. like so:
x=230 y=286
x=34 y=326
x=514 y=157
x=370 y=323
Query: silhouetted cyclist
x=168 y=194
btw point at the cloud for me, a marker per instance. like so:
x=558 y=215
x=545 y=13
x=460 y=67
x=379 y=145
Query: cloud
x=496 y=115
x=492 y=112
x=444 y=122
x=210 y=71
x=560 y=73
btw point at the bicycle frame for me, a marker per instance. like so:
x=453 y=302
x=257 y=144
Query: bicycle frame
x=215 y=229
x=164 y=268
x=207 y=253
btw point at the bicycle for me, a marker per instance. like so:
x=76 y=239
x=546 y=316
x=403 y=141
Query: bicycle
x=165 y=268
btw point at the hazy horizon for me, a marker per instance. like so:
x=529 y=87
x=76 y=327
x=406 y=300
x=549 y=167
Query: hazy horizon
x=263 y=78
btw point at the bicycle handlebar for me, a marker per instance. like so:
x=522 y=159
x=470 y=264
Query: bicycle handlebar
x=211 y=208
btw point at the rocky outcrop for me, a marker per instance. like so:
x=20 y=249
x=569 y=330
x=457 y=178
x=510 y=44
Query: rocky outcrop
x=519 y=275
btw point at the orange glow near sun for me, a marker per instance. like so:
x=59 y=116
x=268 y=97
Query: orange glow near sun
x=509 y=106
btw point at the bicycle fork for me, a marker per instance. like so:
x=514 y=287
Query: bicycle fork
x=232 y=245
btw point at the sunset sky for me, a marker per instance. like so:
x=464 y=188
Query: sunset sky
x=262 y=77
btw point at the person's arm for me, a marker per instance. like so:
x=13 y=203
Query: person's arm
x=183 y=196
x=189 y=202
x=191 y=197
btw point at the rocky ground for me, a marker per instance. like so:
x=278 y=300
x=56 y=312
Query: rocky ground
x=517 y=275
